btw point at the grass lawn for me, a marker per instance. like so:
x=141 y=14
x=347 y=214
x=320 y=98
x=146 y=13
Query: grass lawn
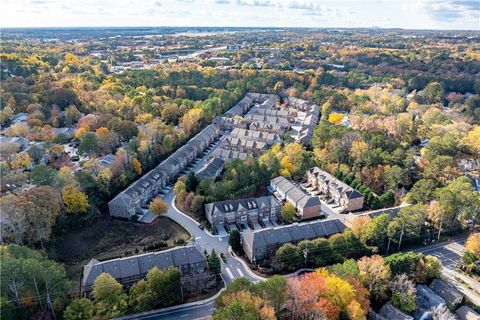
x=109 y=238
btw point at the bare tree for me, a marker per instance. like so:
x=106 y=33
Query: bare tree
x=441 y=313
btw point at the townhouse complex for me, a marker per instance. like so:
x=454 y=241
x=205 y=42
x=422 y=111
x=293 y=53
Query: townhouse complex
x=129 y=270
x=259 y=244
x=331 y=189
x=127 y=203
x=307 y=206
x=242 y=212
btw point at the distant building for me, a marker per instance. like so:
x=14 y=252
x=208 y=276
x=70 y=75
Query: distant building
x=105 y=161
x=307 y=206
x=69 y=133
x=211 y=170
x=19 y=118
x=242 y=211
x=129 y=270
x=259 y=244
x=342 y=194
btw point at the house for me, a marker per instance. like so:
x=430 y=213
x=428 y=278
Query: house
x=21 y=142
x=129 y=270
x=451 y=295
x=426 y=300
x=127 y=203
x=211 y=170
x=262 y=243
x=69 y=133
x=346 y=197
x=467 y=313
x=389 y=312
x=307 y=206
x=242 y=211
x=106 y=161
x=19 y=118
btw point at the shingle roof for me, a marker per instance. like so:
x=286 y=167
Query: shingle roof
x=139 y=265
x=446 y=291
x=389 y=312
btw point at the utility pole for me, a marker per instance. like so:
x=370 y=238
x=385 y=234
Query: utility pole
x=401 y=236
x=440 y=228
x=38 y=294
x=305 y=255
x=49 y=301
x=388 y=244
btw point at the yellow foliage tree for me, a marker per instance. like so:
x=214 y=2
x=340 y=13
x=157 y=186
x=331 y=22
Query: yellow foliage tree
x=158 y=206
x=137 y=166
x=335 y=118
x=473 y=243
x=472 y=141
x=75 y=200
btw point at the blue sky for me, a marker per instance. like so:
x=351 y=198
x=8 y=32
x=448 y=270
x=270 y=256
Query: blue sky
x=411 y=14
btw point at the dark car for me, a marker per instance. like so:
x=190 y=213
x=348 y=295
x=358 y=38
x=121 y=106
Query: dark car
x=201 y=226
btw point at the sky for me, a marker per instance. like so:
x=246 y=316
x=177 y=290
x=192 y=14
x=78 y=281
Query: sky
x=408 y=14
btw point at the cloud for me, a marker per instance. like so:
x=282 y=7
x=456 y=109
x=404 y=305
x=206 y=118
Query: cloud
x=452 y=10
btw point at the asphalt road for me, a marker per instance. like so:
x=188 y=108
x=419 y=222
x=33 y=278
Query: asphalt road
x=201 y=312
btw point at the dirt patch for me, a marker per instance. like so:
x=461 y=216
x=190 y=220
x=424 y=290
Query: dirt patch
x=109 y=238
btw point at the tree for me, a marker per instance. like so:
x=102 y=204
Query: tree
x=375 y=276
x=243 y=306
x=289 y=256
x=288 y=212
x=428 y=268
x=473 y=243
x=234 y=240
x=404 y=293
x=158 y=206
x=459 y=203
x=274 y=291
x=89 y=144
x=110 y=300
x=43 y=175
x=349 y=268
x=213 y=261
x=190 y=182
x=375 y=231
x=30 y=216
x=403 y=262
x=422 y=191
x=79 y=309
x=433 y=93
x=137 y=166
x=75 y=200
x=408 y=224
x=441 y=312
x=470 y=141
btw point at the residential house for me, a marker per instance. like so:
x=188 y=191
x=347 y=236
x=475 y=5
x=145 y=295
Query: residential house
x=307 y=206
x=467 y=313
x=390 y=312
x=450 y=294
x=262 y=243
x=19 y=118
x=21 y=142
x=129 y=270
x=130 y=201
x=242 y=211
x=346 y=197
x=426 y=300
x=211 y=170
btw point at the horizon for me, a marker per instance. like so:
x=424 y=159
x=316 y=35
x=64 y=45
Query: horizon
x=458 y=15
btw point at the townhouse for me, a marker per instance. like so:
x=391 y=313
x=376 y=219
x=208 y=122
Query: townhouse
x=344 y=196
x=307 y=206
x=127 y=203
x=262 y=243
x=242 y=211
x=210 y=170
x=129 y=270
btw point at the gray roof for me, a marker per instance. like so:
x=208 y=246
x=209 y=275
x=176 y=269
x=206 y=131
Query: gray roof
x=292 y=233
x=240 y=204
x=450 y=294
x=426 y=299
x=209 y=170
x=467 y=313
x=139 y=265
x=389 y=312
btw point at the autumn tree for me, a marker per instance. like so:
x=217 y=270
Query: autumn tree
x=76 y=202
x=288 y=212
x=110 y=300
x=158 y=206
x=473 y=243
x=79 y=309
x=404 y=293
x=375 y=276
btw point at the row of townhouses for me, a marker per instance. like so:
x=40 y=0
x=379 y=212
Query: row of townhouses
x=127 y=203
x=262 y=243
x=346 y=197
x=307 y=206
x=129 y=270
x=240 y=212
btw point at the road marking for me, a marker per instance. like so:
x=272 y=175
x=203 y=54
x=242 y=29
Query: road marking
x=198 y=238
x=184 y=315
x=229 y=273
x=240 y=272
